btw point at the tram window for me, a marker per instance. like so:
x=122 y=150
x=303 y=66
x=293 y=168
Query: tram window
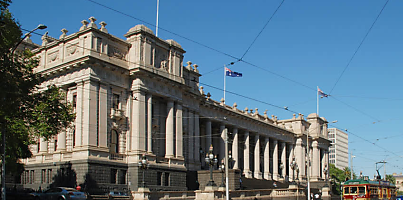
x=353 y=190
x=346 y=190
x=361 y=190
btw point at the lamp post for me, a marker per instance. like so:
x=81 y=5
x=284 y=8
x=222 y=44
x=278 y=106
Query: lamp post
x=222 y=170
x=143 y=165
x=211 y=160
x=3 y=170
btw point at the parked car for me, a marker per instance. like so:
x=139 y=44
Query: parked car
x=118 y=194
x=60 y=193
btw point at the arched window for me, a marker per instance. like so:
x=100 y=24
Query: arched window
x=114 y=141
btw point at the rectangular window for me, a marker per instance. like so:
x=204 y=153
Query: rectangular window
x=32 y=177
x=75 y=101
x=113 y=175
x=353 y=190
x=49 y=178
x=159 y=178
x=346 y=190
x=166 y=183
x=43 y=176
x=55 y=145
x=115 y=101
x=122 y=179
x=361 y=190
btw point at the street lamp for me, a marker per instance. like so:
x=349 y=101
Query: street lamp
x=40 y=27
x=3 y=170
x=222 y=170
x=143 y=165
x=211 y=160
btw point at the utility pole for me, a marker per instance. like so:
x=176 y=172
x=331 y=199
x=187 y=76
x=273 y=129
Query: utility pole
x=351 y=157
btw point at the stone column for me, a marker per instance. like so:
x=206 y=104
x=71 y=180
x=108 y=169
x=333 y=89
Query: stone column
x=179 y=131
x=90 y=109
x=275 y=160
x=315 y=160
x=196 y=138
x=323 y=163
x=299 y=154
x=43 y=145
x=169 y=138
x=61 y=141
x=290 y=157
x=79 y=115
x=283 y=159
x=246 y=168
x=138 y=122
x=191 y=138
x=222 y=143
x=149 y=99
x=209 y=140
x=104 y=109
x=257 y=174
x=235 y=148
x=266 y=173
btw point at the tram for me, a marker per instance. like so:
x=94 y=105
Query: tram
x=365 y=189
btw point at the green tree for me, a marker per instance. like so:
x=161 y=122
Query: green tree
x=338 y=176
x=390 y=178
x=25 y=113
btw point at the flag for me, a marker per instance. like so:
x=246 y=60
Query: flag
x=321 y=93
x=230 y=73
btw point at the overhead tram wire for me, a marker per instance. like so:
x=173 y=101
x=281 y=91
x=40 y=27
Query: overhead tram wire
x=377 y=120
x=282 y=108
x=264 y=27
x=166 y=30
x=279 y=107
x=201 y=44
x=239 y=59
x=359 y=46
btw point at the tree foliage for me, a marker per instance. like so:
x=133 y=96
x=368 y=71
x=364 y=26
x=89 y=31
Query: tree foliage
x=338 y=176
x=26 y=112
x=391 y=178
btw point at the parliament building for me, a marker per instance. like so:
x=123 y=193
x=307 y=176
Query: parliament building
x=136 y=97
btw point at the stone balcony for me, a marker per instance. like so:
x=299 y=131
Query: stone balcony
x=117 y=114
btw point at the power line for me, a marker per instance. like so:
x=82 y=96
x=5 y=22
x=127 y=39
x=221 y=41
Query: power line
x=256 y=100
x=359 y=46
x=253 y=42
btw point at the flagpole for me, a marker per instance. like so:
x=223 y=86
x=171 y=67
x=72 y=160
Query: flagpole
x=156 y=26
x=224 y=83
x=317 y=100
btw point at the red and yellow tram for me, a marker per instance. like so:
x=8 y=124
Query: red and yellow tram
x=364 y=189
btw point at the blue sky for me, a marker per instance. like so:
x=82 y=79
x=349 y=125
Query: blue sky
x=309 y=42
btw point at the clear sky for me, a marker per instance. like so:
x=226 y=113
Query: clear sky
x=306 y=44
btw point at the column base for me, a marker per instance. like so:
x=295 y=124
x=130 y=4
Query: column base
x=141 y=193
x=258 y=175
x=247 y=173
x=267 y=176
x=276 y=177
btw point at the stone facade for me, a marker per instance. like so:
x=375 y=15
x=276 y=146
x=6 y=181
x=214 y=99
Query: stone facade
x=135 y=97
